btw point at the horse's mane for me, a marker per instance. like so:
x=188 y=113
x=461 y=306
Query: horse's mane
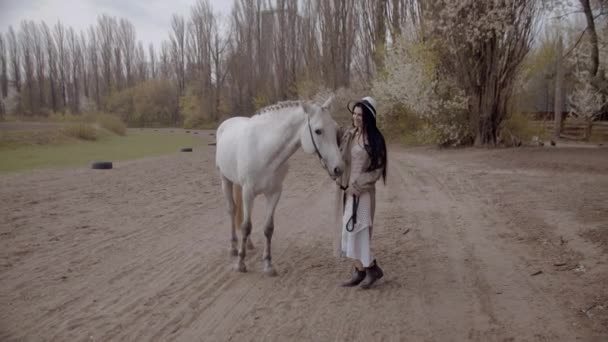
x=280 y=105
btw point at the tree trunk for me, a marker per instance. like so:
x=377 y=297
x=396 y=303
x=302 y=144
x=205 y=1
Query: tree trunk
x=592 y=37
x=3 y=69
x=52 y=90
x=588 y=128
x=559 y=76
x=490 y=109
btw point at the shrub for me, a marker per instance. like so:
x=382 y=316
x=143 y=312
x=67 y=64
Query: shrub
x=401 y=125
x=112 y=123
x=121 y=103
x=81 y=131
x=516 y=129
x=63 y=117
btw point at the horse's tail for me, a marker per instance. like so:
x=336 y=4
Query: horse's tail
x=237 y=195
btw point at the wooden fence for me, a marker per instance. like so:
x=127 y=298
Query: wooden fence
x=575 y=130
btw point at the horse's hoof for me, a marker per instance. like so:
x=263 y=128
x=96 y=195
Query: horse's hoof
x=269 y=271
x=240 y=267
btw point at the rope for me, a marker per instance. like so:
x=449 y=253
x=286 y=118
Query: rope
x=353 y=217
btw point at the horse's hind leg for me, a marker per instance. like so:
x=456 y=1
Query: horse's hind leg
x=227 y=187
x=271 y=200
x=238 y=218
x=247 y=197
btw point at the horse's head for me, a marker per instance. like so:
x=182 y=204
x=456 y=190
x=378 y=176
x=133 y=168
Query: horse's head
x=319 y=137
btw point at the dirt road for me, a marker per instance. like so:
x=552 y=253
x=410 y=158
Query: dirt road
x=141 y=253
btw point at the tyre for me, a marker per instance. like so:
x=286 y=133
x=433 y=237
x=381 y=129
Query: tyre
x=102 y=165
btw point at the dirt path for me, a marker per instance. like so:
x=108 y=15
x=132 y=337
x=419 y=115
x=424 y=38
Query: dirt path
x=141 y=253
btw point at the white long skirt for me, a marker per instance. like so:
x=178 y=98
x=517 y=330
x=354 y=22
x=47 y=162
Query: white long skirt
x=357 y=244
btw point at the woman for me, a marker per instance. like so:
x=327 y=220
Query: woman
x=364 y=151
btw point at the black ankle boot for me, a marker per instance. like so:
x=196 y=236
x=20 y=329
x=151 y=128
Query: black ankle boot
x=373 y=273
x=356 y=277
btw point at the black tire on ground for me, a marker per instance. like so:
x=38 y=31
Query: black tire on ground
x=186 y=149
x=102 y=165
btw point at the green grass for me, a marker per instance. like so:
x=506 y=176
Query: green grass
x=82 y=153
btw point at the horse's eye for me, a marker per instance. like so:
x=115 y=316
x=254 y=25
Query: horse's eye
x=318 y=131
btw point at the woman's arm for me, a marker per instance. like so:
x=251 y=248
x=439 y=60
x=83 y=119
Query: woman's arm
x=365 y=182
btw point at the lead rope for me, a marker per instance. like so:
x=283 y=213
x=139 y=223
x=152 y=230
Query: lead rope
x=353 y=217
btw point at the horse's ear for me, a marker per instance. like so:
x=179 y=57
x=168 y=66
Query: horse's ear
x=328 y=102
x=307 y=106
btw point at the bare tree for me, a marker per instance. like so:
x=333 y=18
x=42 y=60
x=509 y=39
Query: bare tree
x=74 y=73
x=15 y=58
x=247 y=63
x=372 y=36
x=63 y=62
x=592 y=36
x=403 y=17
x=93 y=56
x=199 y=42
x=105 y=35
x=286 y=49
x=219 y=49
x=39 y=56
x=84 y=64
x=311 y=49
x=3 y=68
x=178 y=50
x=153 y=66
x=118 y=69
x=51 y=53
x=380 y=13
x=165 y=60
x=338 y=24
x=559 y=78
x=140 y=62
x=27 y=51
x=126 y=39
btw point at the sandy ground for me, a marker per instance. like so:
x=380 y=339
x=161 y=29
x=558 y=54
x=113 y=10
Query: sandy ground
x=141 y=253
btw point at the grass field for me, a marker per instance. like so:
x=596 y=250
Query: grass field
x=81 y=153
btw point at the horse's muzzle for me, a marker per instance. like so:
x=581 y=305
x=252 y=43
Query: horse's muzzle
x=336 y=172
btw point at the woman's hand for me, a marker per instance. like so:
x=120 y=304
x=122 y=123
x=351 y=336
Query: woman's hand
x=353 y=189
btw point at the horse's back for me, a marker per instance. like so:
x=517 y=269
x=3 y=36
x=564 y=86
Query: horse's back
x=227 y=138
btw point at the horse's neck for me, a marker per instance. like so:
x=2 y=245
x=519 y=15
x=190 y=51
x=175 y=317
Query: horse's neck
x=287 y=141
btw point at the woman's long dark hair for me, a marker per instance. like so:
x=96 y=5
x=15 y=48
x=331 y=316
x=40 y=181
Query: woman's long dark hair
x=377 y=145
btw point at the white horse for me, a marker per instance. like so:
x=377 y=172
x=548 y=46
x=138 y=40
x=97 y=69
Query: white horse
x=252 y=156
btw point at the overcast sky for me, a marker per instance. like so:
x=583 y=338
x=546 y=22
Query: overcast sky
x=151 y=18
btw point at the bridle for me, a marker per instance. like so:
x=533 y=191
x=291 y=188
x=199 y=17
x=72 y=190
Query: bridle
x=316 y=148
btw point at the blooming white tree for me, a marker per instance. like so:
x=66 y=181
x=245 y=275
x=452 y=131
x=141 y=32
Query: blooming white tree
x=462 y=78
x=411 y=78
x=586 y=101
x=483 y=44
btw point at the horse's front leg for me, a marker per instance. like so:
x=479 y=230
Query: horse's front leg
x=271 y=199
x=248 y=197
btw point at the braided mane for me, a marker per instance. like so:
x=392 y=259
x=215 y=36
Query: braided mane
x=279 y=105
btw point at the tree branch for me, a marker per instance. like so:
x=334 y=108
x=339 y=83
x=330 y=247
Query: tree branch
x=575 y=44
x=566 y=15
